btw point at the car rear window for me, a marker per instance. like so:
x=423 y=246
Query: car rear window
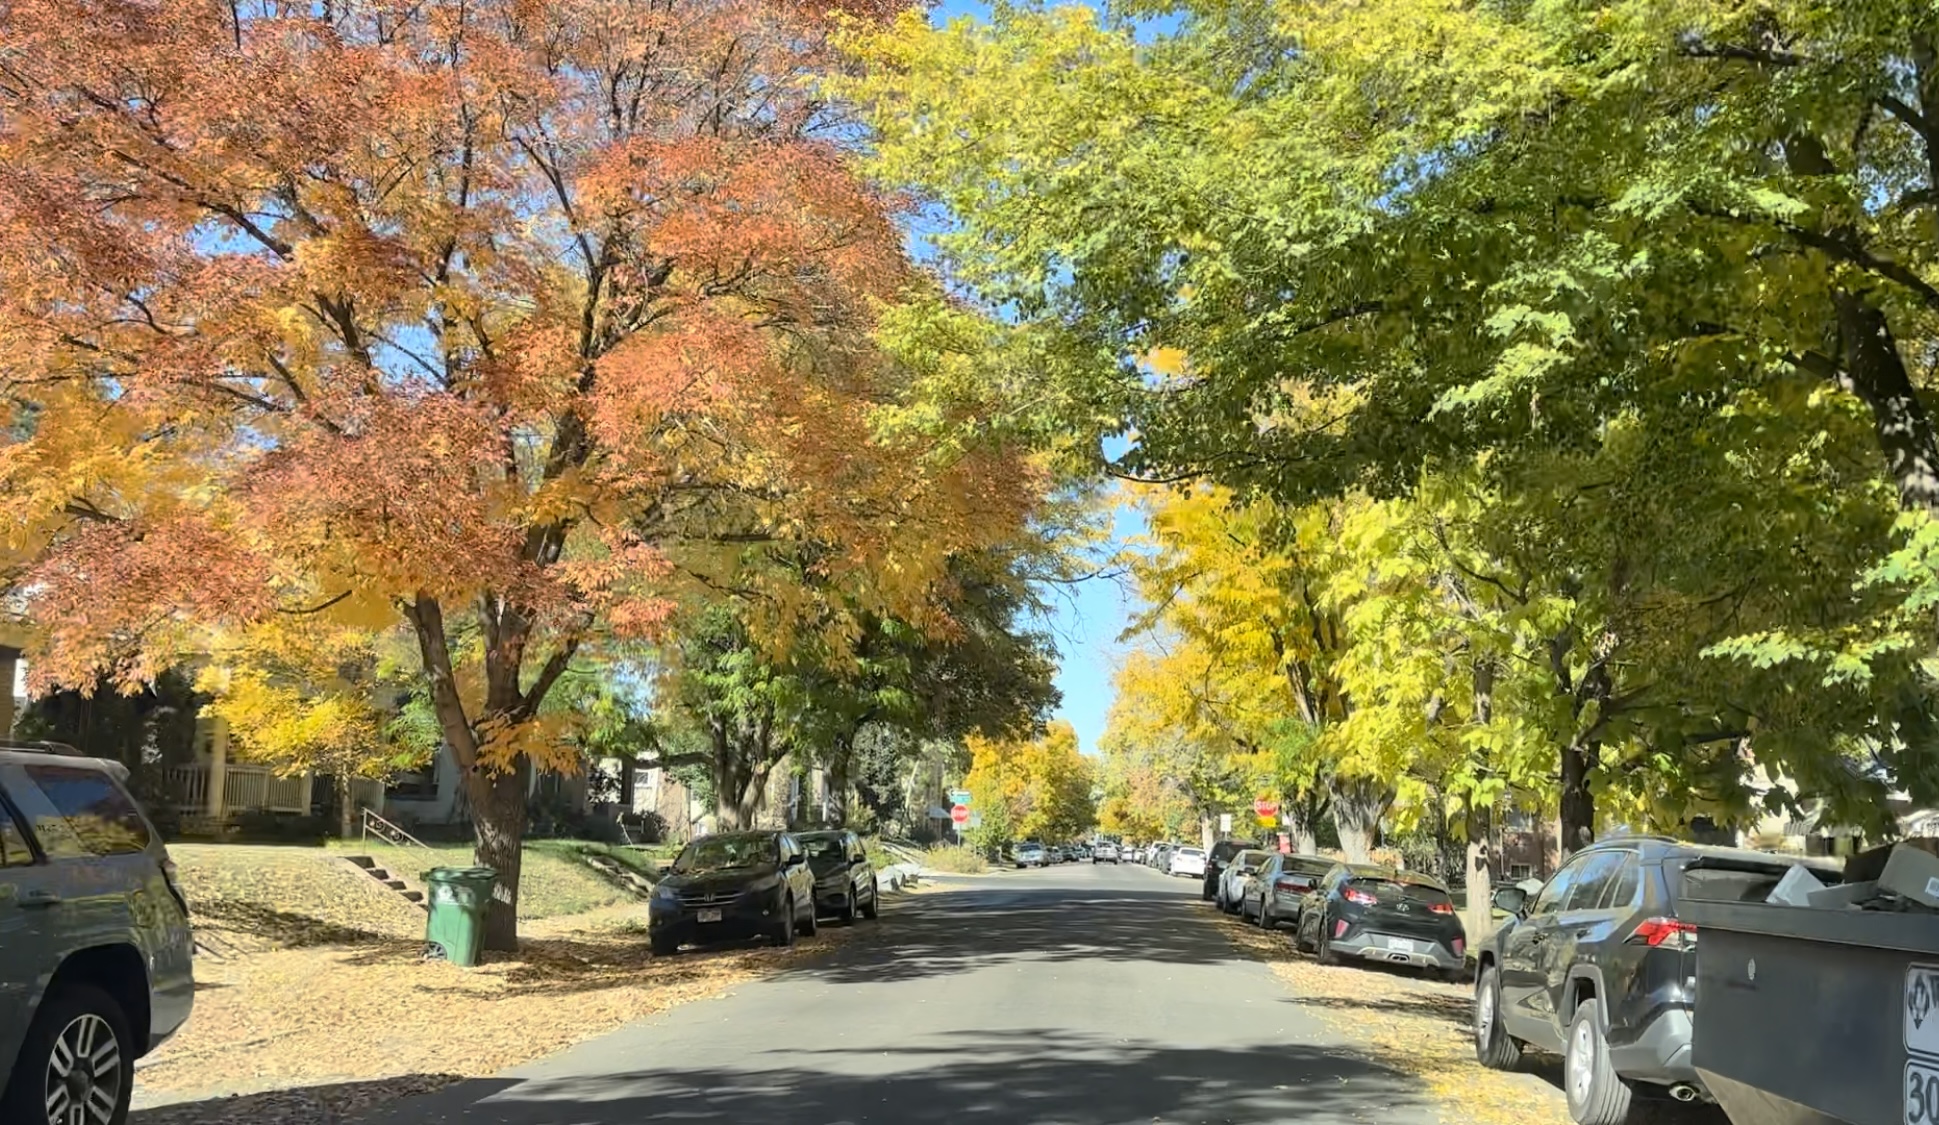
x=1314 y=867
x=1191 y=851
x=1389 y=890
x=101 y=816
x=1726 y=884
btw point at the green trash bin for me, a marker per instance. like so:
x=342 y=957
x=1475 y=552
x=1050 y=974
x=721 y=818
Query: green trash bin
x=458 y=896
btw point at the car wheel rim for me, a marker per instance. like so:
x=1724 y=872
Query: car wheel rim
x=84 y=1073
x=1581 y=1050
x=1484 y=1014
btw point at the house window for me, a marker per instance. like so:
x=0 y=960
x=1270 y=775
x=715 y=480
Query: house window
x=1518 y=871
x=417 y=785
x=1519 y=821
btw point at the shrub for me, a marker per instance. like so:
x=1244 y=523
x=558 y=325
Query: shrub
x=960 y=860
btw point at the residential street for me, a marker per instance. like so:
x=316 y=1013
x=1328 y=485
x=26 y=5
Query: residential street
x=1076 y=995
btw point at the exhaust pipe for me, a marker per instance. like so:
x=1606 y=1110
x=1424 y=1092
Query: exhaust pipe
x=1684 y=1092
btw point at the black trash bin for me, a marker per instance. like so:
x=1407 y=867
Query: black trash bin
x=1817 y=1017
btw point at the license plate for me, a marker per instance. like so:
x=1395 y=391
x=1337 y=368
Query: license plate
x=710 y=916
x=1398 y=944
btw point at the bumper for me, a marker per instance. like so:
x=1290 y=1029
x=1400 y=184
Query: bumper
x=1372 y=947
x=747 y=918
x=1661 y=1054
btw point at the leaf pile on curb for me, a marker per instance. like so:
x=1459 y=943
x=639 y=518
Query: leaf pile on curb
x=1424 y=1028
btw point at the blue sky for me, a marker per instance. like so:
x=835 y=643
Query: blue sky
x=1086 y=618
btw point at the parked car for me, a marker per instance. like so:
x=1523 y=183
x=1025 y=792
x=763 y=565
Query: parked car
x=1188 y=862
x=1215 y=862
x=733 y=885
x=845 y=882
x=1233 y=876
x=1379 y=914
x=1160 y=858
x=1030 y=854
x=1135 y=853
x=1599 y=967
x=1273 y=895
x=96 y=955
x=1106 y=852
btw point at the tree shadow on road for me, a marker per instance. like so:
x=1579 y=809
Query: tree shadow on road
x=1022 y=1078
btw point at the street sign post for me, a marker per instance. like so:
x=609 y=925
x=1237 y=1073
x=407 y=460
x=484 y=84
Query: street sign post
x=959 y=796
x=1225 y=822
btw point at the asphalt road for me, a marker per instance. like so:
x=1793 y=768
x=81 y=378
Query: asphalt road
x=1076 y=995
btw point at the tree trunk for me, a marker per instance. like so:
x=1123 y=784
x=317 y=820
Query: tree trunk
x=1208 y=831
x=1876 y=375
x=1578 y=821
x=1358 y=806
x=841 y=760
x=1481 y=877
x=346 y=815
x=498 y=815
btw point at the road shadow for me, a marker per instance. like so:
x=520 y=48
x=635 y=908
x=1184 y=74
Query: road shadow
x=310 y=1105
x=1023 y=1078
x=974 y=926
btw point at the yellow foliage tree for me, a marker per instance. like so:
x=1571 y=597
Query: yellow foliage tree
x=1031 y=789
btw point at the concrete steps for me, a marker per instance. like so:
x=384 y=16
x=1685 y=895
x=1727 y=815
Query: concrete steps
x=396 y=886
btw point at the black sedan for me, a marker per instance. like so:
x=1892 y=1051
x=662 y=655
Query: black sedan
x=736 y=885
x=1274 y=894
x=1378 y=914
x=845 y=883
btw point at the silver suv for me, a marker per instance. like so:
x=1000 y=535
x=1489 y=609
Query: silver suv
x=95 y=952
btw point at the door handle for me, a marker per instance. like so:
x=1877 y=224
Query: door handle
x=39 y=898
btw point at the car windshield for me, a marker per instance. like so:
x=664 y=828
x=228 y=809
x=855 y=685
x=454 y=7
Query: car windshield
x=720 y=853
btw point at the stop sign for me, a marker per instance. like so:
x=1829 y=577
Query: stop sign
x=960 y=814
x=1265 y=807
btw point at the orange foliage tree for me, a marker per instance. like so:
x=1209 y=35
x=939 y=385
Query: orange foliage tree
x=493 y=320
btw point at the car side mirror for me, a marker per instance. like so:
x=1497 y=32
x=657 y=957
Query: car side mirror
x=1511 y=900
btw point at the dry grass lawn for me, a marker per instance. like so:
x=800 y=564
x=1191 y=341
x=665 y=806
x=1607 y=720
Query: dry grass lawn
x=318 y=1004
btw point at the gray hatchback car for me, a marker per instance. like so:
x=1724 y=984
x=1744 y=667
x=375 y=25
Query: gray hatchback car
x=96 y=959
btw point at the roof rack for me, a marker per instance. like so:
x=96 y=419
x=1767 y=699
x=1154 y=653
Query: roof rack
x=42 y=747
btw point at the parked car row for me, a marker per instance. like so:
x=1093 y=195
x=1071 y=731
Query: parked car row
x=1031 y=853
x=1597 y=966
x=777 y=885
x=96 y=955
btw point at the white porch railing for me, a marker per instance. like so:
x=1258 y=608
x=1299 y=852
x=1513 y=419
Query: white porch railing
x=244 y=789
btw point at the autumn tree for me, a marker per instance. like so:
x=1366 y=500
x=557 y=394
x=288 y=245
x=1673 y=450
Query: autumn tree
x=1031 y=788
x=505 y=319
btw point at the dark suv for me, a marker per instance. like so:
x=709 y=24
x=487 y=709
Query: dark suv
x=96 y=962
x=1600 y=968
x=1216 y=862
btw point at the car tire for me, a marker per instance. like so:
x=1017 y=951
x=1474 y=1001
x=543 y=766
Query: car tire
x=784 y=929
x=1494 y=1048
x=846 y=915
x=1266 y=920
x=1597 y=1096
x=874 y=907
x=812 y=923
x=664 y=946
x=73 y=1015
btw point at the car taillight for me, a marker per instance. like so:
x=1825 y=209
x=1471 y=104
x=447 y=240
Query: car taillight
x=1340 y=927
x=1361 y=897
x=1460 y=947
x=1440 y=908
x=1667 y=933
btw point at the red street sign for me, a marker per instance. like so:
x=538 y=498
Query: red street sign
x=1265 y=808
x=960 y=814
